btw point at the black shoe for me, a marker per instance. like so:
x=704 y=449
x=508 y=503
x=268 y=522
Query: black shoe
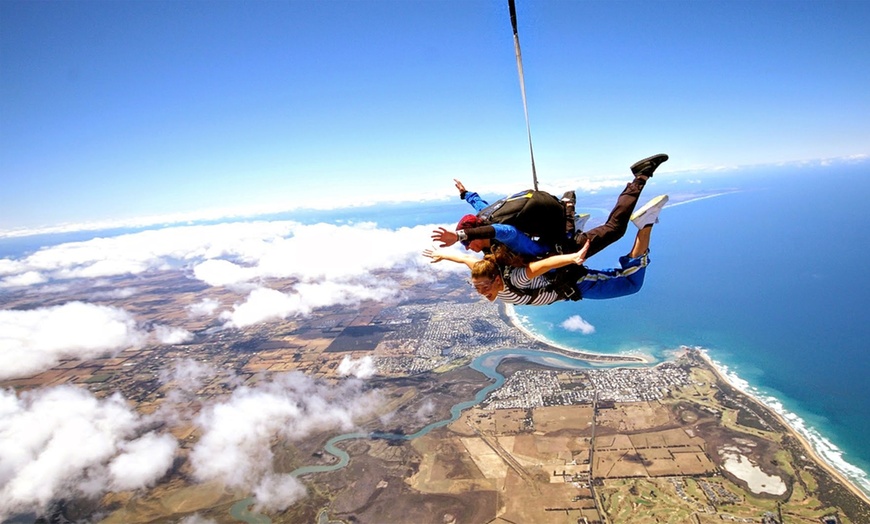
x=647 y=166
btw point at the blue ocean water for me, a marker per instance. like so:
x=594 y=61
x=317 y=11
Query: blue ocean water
x=768 y=279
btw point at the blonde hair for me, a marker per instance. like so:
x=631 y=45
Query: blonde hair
x=485 y=268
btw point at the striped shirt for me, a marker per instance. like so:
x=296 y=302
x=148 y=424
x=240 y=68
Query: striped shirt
x=520 y=280
x=596 y=284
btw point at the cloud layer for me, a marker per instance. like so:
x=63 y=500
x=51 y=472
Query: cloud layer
x=235 y=447
x=36 y=339
x=226 y=254
x=325 y=265
x=64 y=441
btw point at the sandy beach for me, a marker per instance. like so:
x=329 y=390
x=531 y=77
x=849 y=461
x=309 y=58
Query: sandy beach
x=509 y=314
x=811 y=452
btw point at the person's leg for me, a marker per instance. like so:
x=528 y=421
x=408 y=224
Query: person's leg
x=614 y=283
x=617 y=222
x=641 y=242
x=627 y=280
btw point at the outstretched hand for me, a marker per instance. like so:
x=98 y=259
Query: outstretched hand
x=446 y=237
x=434 y=255
x=459 y=186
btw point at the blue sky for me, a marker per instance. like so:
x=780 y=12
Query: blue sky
x=121 y=109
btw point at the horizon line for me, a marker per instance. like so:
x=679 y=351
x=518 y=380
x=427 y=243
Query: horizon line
x=254 y=211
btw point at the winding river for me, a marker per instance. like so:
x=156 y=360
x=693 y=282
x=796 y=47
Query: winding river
x=486 y=364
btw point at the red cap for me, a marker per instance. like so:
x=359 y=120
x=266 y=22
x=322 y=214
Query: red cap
x=468 y=221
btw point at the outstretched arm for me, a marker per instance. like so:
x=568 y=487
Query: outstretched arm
x=470 y=196
x=438 y=255
x=539 y=267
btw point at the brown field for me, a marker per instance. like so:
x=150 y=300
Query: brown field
x=634 y=416
x=558 y=418
x=652 y=462
x=494 y=467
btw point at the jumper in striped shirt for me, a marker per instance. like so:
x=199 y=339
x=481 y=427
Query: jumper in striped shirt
x=597 y=284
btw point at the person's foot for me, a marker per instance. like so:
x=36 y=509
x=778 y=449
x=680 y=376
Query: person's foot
x=649 y=213
x=647 y=166
x=580 y=221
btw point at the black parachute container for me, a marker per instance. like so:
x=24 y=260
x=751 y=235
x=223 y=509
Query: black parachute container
x=537 y=213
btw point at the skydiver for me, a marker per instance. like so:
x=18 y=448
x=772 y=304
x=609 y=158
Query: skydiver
x=537 y=284
x=477 y=236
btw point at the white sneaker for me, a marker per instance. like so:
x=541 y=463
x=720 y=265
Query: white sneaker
x=580 y=221
x=649 y=213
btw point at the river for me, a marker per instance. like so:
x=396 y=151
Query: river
x=486 y=364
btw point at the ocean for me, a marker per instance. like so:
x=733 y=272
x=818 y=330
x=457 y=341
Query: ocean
x=765 y=279
x=757 y=266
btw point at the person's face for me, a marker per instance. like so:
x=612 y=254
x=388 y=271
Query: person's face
x=477 y=245
x=487 y=287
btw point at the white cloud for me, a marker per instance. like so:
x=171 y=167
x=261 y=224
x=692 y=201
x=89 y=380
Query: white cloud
x=12 y=267
x=224 y=254
x=327 y=264
x=203 y=308
x=217 y=272
x=264 y=304
x=576 y=323
x=142 y=461
x=330 y=251
x=362 y=368
x=237 y=435
x=115 y=294
x=187 y=375
x=278 y=492
x=36 y=339
x=196 y=518
x=172 y=335
x=321 y=294
x=27 y=278
x=155 y=249
x=425 y=411
x=63 y=441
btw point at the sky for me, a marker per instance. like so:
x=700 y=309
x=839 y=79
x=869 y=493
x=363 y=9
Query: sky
x=111 y=111
x=115 y=111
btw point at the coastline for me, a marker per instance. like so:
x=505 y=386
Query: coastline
x=506 y=311
x=805 y=443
